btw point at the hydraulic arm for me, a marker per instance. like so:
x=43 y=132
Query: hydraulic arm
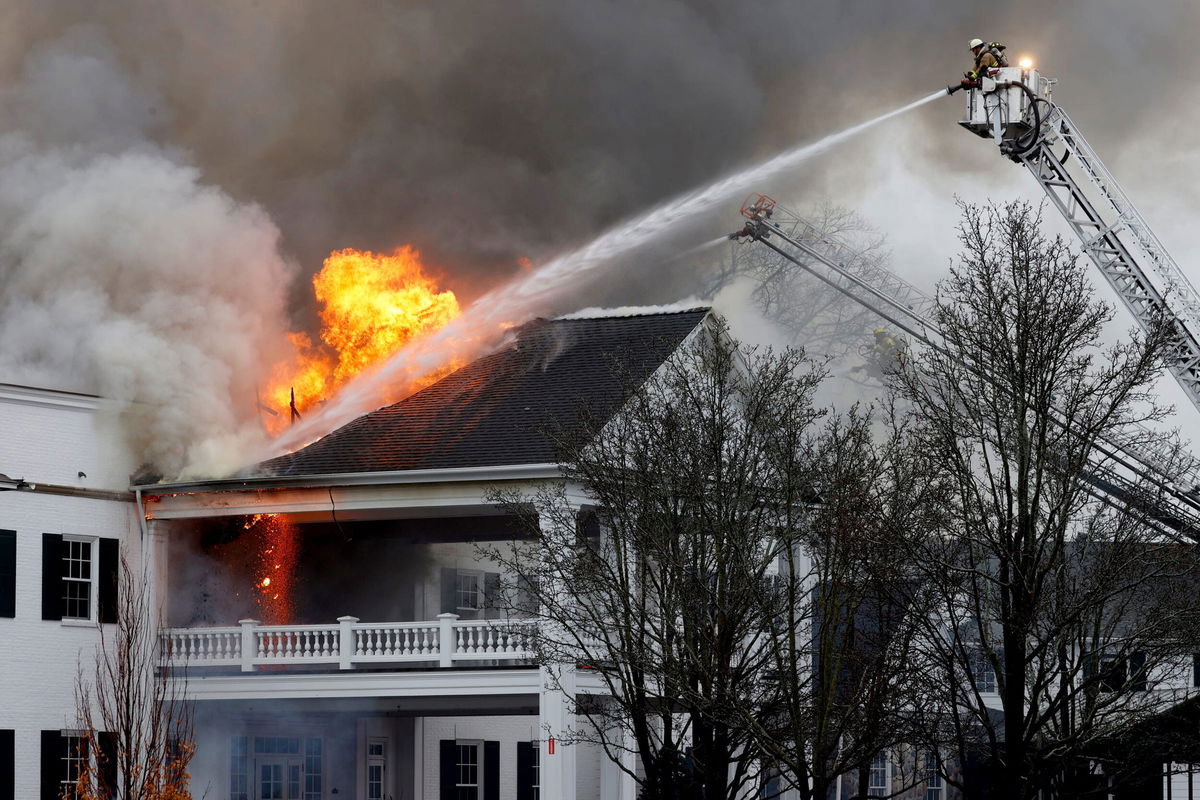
x=1122 y=469
x=1014 y=109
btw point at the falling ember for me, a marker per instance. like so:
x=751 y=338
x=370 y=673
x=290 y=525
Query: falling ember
x=371 y=306
x=275 y=567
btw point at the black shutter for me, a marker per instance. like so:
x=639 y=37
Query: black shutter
x=527 y=603
x=524 y=770
x=8 y=576
x=108 y=762
x=448 y=770
x=491 y=596
x=1196 y=669
x=8 y=772
x=449 y=590
x=110 y=559
x=53 y=745
x=52 y=566
x=1137 y=671
x=491 y=771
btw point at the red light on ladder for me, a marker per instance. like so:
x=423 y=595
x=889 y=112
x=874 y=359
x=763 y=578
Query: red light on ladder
x=550 y=746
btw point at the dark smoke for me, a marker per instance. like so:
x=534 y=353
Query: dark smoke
x=485 y=132
x=481 y=132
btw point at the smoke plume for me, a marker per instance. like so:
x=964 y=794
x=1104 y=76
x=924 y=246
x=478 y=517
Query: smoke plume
x=121 y=272
x=171 y=172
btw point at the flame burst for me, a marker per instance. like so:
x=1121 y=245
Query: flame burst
x=372 y=305
x=275 y=567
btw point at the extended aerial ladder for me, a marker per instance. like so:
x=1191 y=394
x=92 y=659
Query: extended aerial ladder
x=1122 y=465
x=1013 y=108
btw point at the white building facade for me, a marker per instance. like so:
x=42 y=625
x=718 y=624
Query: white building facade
x=66 y=518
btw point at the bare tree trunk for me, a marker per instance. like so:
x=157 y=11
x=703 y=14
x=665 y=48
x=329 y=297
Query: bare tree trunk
x=137 y=725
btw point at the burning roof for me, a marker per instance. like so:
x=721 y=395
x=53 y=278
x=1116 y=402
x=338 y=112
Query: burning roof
x=494 y=410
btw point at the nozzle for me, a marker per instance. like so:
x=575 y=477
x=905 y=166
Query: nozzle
x=954 y=87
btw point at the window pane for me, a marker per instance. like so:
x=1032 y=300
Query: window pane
x=879 y=772
x=468 y=591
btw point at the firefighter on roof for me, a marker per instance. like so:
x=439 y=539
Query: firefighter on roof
x=989 y=56
x=884 y=355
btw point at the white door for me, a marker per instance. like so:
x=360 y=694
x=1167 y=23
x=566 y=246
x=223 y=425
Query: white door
x=278 y=777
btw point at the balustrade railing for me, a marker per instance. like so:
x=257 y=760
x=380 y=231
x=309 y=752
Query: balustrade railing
x=348 y=643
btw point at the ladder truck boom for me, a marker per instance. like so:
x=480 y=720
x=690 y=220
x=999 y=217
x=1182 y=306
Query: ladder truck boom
x=1118 y=462
x=1015 y=110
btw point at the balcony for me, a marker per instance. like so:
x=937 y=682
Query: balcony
x=348 y=644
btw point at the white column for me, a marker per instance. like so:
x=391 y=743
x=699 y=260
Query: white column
x=346 y=643
x=447 y=641
x=629 y=761
x=249 y=645
x=556 y=721
x=154 y=561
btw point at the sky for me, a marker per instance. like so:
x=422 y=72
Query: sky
x=172 y=172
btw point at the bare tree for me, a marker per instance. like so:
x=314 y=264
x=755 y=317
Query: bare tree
x=661 y=598
x=137 y=732
x=730 y=581
x=840 y=689
x=1058 y=603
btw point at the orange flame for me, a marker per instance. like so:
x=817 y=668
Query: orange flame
x=372 y=305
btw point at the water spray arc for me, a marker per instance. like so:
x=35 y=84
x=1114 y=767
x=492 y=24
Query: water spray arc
x=478 y=326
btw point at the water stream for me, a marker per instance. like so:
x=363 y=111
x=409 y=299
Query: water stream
x=479 y=326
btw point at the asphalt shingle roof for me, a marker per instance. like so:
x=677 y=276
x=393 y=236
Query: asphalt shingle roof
x=493 y=411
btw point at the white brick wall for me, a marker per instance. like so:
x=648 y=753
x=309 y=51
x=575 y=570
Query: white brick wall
x=48 y=439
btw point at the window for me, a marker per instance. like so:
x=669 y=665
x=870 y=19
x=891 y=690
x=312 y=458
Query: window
x=982 y=672
x=467 y=783
x=239 y=779
x=283 y=745
x=878 y=781
x=536 y=768
x=771 y=789
x=1120 y=672
x=77 y=579
x=934 y=787
x=312 y=769
x=1195 y=669
x=73 y=757
x=376 y=768
x=468 y=592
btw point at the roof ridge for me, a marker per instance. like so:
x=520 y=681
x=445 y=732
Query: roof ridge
x=663 y=313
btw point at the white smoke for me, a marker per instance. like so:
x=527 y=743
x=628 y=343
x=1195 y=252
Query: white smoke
x=121 y=272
